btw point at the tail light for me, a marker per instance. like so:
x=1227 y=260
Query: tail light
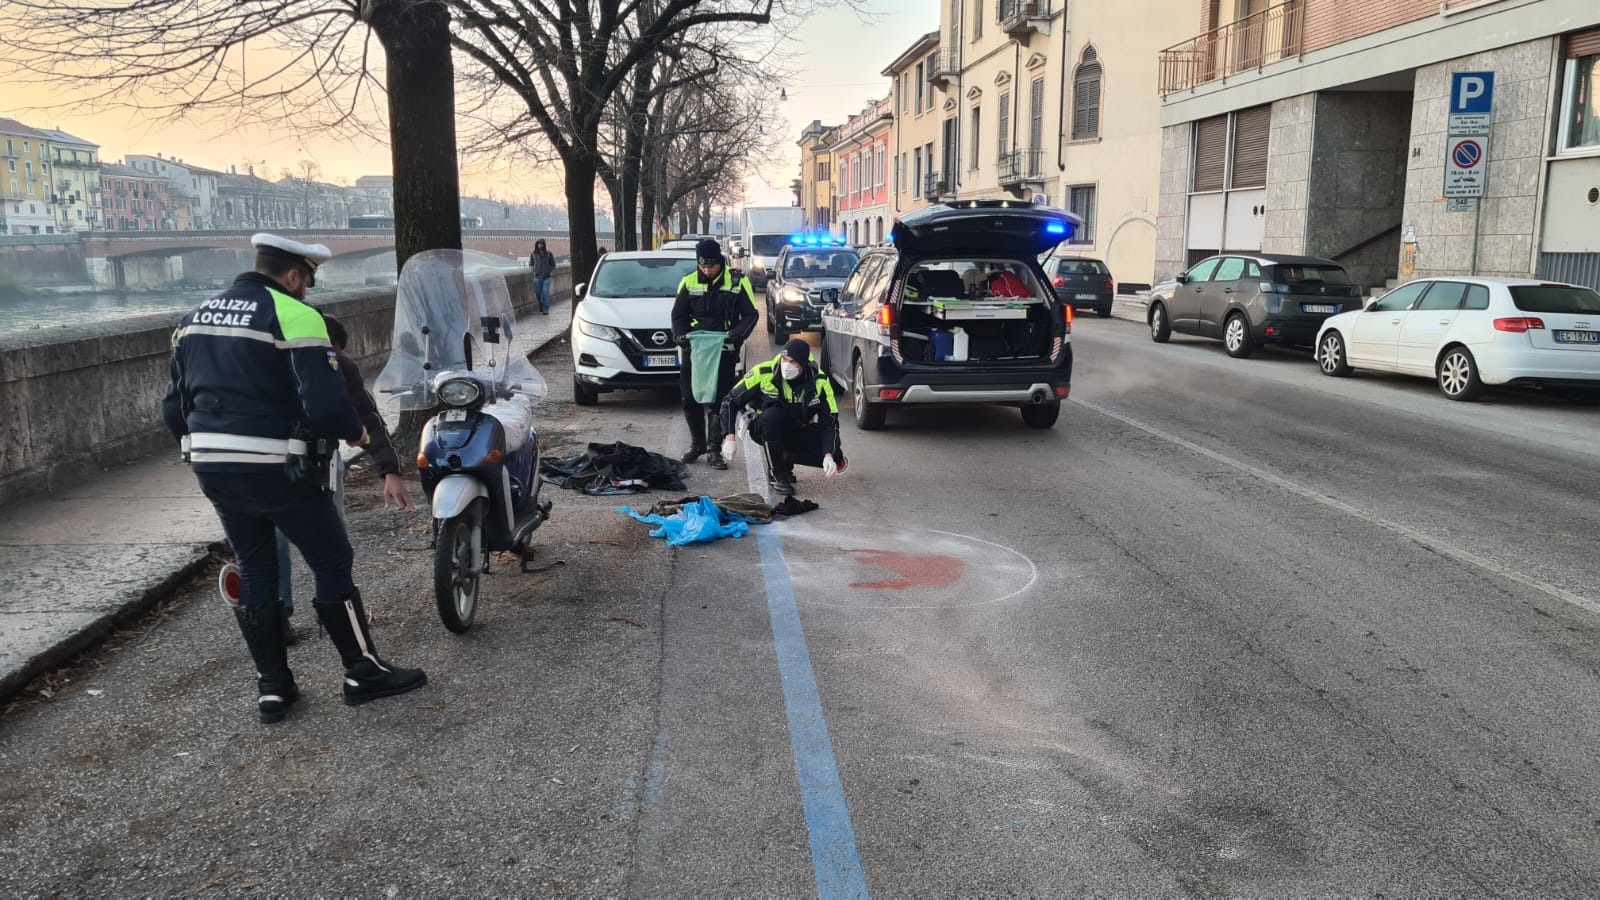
x=1066 y=317
x=1059 y=281
x=885 y=318
x=1109 y=285
x=1519 y=325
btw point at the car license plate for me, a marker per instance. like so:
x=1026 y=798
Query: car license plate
x=1319 y=307
x=1084 y=297
x=660 y=360
x=1578 y=337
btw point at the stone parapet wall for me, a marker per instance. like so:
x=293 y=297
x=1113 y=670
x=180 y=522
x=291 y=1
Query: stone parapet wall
x=79 y=400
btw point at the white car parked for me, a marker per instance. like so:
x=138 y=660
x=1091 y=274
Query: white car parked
x=1470 y=332
x=622 y=327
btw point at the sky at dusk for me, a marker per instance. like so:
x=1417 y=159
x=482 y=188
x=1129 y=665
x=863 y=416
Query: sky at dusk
x=836 y=58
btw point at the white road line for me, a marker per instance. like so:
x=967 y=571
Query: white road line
x=1427 y=540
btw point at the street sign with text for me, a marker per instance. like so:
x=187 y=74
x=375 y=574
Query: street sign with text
x=1466 y=155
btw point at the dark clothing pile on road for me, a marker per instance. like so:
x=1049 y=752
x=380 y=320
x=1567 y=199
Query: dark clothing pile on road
x=610 y=469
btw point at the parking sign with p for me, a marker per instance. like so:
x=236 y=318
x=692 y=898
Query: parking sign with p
x=1471 y=93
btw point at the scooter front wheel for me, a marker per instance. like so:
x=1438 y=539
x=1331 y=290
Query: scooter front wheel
x=455 y=581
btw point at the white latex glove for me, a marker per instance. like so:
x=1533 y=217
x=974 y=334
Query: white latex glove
x=742 y=429
x=829 y=467
x=729 y=445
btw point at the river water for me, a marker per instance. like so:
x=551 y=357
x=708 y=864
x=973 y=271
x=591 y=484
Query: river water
x=51 y=311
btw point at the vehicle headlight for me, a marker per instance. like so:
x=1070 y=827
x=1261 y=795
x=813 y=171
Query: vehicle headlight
x=603 y=332
x=459 y=392
x=791 y=295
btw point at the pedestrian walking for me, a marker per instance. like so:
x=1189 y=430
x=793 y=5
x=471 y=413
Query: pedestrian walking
x=543 y=264
x=712 y=316
x=257 y=399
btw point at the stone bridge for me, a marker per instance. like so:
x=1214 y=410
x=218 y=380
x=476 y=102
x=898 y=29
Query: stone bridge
x=107 y=254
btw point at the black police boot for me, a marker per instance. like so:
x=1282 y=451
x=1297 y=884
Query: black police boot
x=291 y=635
x=366 y=675
x=780 y=470
x=697 y=439
x=263 y=629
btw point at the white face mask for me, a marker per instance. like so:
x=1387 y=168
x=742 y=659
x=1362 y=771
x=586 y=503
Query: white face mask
x=790 y=370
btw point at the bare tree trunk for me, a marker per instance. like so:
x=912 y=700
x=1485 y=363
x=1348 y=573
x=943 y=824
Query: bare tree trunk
x=422 y=113
x=581 y=171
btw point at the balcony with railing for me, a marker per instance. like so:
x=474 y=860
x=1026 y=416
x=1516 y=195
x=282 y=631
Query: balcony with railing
x=1251 y=43
x=943 y=66
x=1018 y=17
x=1018 y=167
x=935 y=185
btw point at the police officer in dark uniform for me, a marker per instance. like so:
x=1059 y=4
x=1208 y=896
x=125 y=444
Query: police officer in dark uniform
x=256 y=392
x=713 y=298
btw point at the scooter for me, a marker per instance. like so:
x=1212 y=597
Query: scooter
x=479 y=454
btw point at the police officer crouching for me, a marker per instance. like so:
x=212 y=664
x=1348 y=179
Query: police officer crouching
x=797 y=418
x=712 y=300
x=259 y=403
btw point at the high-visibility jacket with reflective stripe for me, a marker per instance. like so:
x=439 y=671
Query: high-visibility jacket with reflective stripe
x=255 y=361
x=725 y=303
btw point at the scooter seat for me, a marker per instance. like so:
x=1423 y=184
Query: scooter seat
x=516 y=417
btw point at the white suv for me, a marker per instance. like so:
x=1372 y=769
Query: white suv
x=622 y=327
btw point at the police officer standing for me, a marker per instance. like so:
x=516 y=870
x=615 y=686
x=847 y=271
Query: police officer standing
x=797 y=415
x=255 y=390
x=712 y=299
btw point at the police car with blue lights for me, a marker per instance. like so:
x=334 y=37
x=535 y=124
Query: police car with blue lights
x=807 y=271
x=955 y=310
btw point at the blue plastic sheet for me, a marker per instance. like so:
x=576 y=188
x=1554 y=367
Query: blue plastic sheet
x=699 y=522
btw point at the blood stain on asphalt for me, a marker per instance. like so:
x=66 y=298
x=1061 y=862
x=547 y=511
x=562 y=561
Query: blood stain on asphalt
x=914 y=570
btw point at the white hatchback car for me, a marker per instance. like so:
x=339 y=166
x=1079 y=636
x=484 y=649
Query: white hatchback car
x=622 y=326
x=1470 y=332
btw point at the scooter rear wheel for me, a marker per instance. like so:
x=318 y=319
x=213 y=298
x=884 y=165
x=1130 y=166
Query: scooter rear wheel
x=455 y=587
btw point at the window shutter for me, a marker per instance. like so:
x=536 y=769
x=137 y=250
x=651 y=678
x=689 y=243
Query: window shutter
x=1086 y=98
x=1210 y=153
x=1252 y=130
x=1036 y=127
x=1005 y=123
x=1584 y=43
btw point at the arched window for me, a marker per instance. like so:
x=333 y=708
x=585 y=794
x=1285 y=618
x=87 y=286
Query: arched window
x=1086 y=97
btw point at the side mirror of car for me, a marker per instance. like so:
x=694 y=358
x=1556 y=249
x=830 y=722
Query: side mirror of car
x=577 y=289
x=1369 y=304
x=1182 y=278
x=830 y=295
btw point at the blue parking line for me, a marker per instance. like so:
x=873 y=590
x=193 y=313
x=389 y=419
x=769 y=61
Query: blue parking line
x=834 y=857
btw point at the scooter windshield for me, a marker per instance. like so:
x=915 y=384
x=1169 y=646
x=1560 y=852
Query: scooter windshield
x=453 y=313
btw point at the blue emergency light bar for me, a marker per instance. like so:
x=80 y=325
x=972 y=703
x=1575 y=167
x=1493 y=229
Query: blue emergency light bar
x=813 y=240
x=1055 y=228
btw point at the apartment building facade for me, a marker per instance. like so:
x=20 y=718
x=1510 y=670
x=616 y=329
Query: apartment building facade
x=861 y=148
x=194 y=188
x=134 y=200
x=1326 y=128
x=817 y=196
x=74 y=182
x=916 y=128
x=25 y=206
x=1046 y=102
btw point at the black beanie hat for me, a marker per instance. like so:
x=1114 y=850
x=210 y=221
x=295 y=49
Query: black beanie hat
x=798 y=350
x=709 y=251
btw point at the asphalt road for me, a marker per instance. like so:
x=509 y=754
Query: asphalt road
x=1231 y=628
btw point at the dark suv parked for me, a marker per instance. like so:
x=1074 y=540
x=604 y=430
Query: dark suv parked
x=955 y=310
x=1251 y=299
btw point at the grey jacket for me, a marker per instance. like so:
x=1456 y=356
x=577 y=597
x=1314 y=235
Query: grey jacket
x=543 y=263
